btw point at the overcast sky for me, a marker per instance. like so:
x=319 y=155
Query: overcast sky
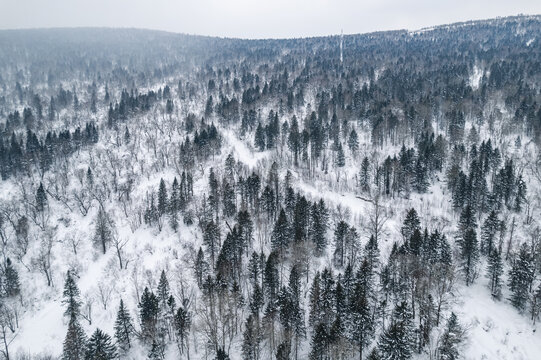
x=256 y=18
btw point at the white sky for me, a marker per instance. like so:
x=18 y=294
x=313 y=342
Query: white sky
x=256 y=18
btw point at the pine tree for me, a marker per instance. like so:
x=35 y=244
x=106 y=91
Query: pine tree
x=340 y=160
x=397 y=341
x=520 y=196
x=488 y=232
x=451 y=339
x=12 y=287
x=41 y=198
x=174 y=204
x=162 y=199
x=75 y=342
x=411 y=223
x=260 y=137
x=100 y=347
x=521 y=276
x=494 y=273
x=469 y=255
x=364 y=176
x=353 y=141
x=320 y=343
x=339 y=243
x=148 y=313
x=252 y=339
x=319 y=216
x=123 y=328
x=156 y=351
x=361 y=322
x=71 y=297
x=182 y=323
x=280 y=234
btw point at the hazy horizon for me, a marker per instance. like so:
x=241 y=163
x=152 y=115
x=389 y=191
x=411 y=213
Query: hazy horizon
x=255 y=20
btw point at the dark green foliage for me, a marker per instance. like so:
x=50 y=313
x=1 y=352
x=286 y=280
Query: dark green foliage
x=100 y=346
x=521 y=276
x=494 y=273
x=148 y=315
x=75 y=342
x=71 y=296
x=41 y=198
x=124 y=329
x=469 y=255
x=397 y=341
x=11 y=285
x=451 y=340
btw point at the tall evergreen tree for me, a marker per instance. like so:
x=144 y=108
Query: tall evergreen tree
x=124 y=329
x=494 y=273
x=71 y=297
x=11 y=285
x=75 y=342
x=100 y=347
x=521 y=276
x=451 y=339
x=469 y=255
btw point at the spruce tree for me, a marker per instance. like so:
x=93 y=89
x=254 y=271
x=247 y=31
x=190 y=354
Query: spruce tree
x=75 y=342
x=124 y=329
x=260 y=138
x=41 y=198
x=280 y=234
x=100 y=347
x=251 y=339
x=320 y=343
x=182 y=323
x=12 y=287
x=148 y=313
x=521 y=276
x=451 y=339
x=469 y=255
x=397 y=341
x=71 y=296
x=494 y=273
x=488 y=232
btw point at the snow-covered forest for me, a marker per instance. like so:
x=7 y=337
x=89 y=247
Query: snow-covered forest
x=168 y=196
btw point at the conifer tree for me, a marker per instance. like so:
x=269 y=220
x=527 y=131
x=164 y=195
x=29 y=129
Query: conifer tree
x=100 y=347
x=364 y=176
x=124 y=329
x=162 y=198
x=451 y=339
x=469 y=255
x=280 y=234
x=41 y=198
x=148 y=313
x=182 y=324
x=353 y=141
x=251 y=339
x=71 y=297
x=521 y=276
x=494 y=273
x=11 y=285
x=75 y=342
x=260 y=138
x=488 y=232
x=320 y=343
x=411 y=223
x=397 y=341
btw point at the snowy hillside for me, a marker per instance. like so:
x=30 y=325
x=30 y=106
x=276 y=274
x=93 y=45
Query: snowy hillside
x=205 y=198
